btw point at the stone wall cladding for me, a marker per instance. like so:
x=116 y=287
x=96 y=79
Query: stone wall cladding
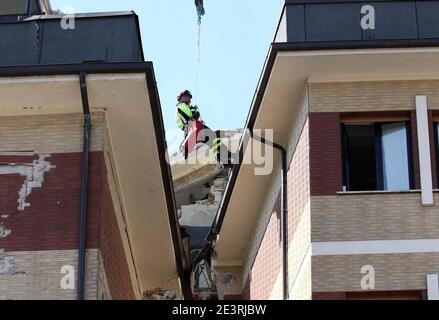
x=49 y=134
x=38 y=275
x=371 y=95
x=392 y=271
x=382 y=216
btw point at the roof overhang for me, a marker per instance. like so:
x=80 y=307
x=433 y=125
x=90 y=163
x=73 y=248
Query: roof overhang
x=128 y=94
x=288 y=70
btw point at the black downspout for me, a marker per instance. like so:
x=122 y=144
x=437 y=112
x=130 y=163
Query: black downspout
x=205 y=251
x=284 y=210
x=84 y=187
x=29 y=8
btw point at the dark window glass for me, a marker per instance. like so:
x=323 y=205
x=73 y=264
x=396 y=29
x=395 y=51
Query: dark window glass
x=360 y=157
x=377 y=157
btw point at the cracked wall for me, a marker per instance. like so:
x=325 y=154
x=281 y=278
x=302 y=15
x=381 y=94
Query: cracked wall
x=34 y=177
x=6 y=264
x=40 y=183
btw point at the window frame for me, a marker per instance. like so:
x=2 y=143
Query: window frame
x=436 y=146
x=377 y=124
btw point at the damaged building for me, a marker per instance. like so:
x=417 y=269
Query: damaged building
x=350 y=210
x=81 y=132
x=92 y=207
x=199 y=188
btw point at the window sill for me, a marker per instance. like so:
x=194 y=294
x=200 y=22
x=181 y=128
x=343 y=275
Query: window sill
x=341 y=193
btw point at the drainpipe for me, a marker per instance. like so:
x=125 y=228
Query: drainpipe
x=206 y=250
x=284 y=210
x=29 y=8
x=84 y=187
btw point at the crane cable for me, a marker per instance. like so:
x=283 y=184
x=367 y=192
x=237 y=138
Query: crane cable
x=197 y=70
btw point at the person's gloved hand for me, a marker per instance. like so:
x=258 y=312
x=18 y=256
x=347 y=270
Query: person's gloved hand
x=195 y=112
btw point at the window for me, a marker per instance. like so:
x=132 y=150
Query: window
x=377 y=157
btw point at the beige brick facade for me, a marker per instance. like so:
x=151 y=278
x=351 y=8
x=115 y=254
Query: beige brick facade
x=299 y=216
x=392 y=271
x=49 y=133
x=371 y=95
x=385 y=216
x=37 y=275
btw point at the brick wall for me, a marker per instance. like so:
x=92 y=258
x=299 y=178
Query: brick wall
x=265 y=278
x=384 y=216
x=9 y=186
x=299 y=223
x=51 y=222
x=371 y=95
x=392 y=271
x=325 y=153
x=43 y=235
x=366 y=216
x=37 y=275
x=328 y=99
x=263 y=251
x=49 y=134
x=113 y=254
x=314 y=207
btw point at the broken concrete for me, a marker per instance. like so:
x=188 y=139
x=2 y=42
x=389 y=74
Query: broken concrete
x=159 y=294
x=3 y=231
x=34 y=174
x=199 y=189
x=6 y=264
x=197 y=218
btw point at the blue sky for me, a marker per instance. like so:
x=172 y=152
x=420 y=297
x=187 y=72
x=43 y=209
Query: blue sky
x=235 y=38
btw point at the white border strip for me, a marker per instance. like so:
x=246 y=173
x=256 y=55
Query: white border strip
x=71 y=78
x=341 y=248
x=300 y=274
x=338 y=52
x=424 y=150
x=432 y=287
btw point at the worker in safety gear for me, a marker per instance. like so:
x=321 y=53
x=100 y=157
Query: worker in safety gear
x=185 y=111
x=186 y=115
